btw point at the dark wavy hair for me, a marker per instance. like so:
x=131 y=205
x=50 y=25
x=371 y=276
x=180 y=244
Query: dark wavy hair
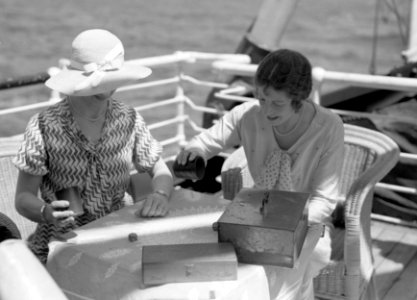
x=286 y=70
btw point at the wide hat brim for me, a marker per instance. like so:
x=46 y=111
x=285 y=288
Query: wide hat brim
x=67 y=81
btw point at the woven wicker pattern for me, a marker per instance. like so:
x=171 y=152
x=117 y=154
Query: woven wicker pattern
x=8 y=179
x=369 y=156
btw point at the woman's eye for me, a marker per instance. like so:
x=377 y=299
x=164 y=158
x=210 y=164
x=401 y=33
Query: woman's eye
x=279 y=104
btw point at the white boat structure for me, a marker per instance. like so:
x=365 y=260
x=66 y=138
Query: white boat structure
x=394 y=239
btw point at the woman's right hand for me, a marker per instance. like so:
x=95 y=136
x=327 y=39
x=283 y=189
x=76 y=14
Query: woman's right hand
x=58 y=213
x=186 y=155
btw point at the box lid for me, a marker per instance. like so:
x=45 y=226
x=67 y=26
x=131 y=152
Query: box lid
x=282 y=210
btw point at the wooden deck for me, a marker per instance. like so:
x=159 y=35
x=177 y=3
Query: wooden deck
x=395 y=253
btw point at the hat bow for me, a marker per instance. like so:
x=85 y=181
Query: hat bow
x=98 y=69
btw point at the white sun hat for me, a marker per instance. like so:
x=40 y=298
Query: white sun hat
x=96 y=66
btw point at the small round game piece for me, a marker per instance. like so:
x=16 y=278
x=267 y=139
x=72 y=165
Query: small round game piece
x=133 y=237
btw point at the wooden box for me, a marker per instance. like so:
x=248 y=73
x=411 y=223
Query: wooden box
x=266 y=227
x=188 y=262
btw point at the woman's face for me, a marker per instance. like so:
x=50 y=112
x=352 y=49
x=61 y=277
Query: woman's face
x=103 y=96
x=275 y=104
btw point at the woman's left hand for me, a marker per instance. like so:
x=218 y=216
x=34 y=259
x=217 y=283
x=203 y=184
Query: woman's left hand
x=155 y=205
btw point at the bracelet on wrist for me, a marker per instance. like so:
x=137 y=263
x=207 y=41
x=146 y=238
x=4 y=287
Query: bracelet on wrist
x=162 y=193
x=43 y=212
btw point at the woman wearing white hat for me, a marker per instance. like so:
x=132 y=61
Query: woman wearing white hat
x=87 y=142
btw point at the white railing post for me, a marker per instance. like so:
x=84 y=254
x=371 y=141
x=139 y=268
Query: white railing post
x=318 y=77
x=181 y=107
x=410 y=54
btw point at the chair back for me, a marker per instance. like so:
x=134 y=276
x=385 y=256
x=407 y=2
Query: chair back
x=8 y=180
x=369 y=156
x=358 y=157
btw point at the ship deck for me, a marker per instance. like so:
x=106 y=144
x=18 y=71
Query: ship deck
x=395 y=254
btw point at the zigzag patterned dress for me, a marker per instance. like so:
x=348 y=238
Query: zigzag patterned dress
x=55 y=148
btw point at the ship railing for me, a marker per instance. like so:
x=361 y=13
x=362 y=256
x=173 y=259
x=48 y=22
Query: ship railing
x=221 y=66
x=180 y=98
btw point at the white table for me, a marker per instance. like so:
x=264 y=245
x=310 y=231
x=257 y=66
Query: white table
x=97 y=261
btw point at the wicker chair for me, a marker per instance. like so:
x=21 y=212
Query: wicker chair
x=9 y=217
x=369 y=156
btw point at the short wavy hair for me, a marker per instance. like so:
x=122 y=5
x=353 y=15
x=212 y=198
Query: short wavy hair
x=286 y=70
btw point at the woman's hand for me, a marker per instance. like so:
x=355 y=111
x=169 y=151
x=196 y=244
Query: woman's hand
x=186 y=155
x=155 y=205
x=57 y=213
